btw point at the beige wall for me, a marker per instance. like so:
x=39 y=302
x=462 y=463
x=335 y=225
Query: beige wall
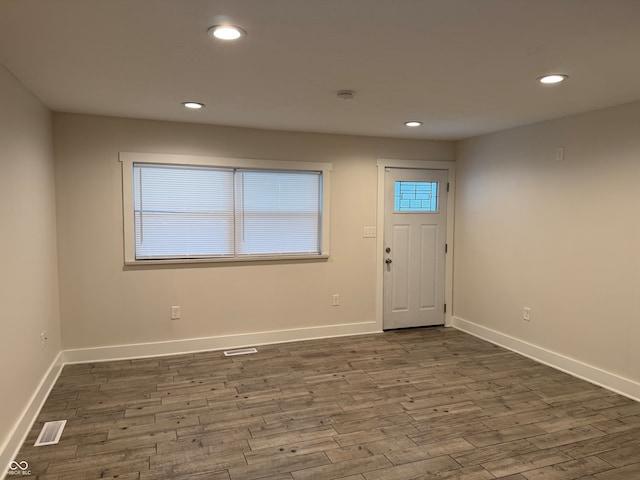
x=562 y=237
x=28 y=283
x=104 y=304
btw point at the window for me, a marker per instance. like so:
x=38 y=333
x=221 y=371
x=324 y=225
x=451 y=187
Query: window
x=278 y=212
x=182 y=211
x=180 y=208
x=416 y=197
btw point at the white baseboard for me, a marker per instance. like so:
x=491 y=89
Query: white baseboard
x=584 y=371
x=177 y=347
x=12 y=447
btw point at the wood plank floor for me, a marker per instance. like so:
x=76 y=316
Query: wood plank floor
x=431 y=404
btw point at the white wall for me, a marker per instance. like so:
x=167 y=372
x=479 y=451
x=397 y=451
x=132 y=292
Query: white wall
x=562 y=237
x=28 y=283
x=104 y=304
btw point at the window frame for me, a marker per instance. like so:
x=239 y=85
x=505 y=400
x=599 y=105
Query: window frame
x=128 y=159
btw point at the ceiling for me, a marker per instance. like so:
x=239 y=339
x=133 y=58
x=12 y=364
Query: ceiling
x=463 y=67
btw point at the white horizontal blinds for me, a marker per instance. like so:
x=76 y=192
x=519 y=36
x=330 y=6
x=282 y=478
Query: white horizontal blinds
x=278 y=212
x=182 y=211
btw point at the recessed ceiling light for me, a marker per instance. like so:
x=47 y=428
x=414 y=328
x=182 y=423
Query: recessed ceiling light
x=413 y=123
x=554 y=78
x=193 y=105
x=226 y=32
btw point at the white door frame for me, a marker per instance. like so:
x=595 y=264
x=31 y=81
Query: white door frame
x=383 y=163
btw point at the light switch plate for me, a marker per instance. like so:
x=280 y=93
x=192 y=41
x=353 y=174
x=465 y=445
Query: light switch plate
x=369 y=232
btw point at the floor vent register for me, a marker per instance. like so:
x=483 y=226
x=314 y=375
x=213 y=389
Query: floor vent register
x=239 y=351
x=50 y=433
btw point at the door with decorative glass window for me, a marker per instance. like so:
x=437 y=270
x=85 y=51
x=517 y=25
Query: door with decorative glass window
x=415 y=216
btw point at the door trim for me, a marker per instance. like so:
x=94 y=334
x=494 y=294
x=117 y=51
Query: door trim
x=450 y=167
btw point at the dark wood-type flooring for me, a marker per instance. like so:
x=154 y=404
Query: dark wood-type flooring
x=433 y=404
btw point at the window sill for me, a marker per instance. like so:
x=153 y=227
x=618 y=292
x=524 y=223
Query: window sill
x=252 y=259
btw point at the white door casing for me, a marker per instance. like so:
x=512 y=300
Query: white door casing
x=414 y=238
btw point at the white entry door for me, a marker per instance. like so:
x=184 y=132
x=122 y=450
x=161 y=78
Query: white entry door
x=415 y=204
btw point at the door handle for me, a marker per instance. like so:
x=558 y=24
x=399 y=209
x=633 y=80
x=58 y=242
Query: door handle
x=388 y=261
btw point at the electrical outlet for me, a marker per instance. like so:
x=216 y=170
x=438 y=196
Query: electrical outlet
x=335 y=300
x=175 y=312
x=527 y=314
x=43 y=339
